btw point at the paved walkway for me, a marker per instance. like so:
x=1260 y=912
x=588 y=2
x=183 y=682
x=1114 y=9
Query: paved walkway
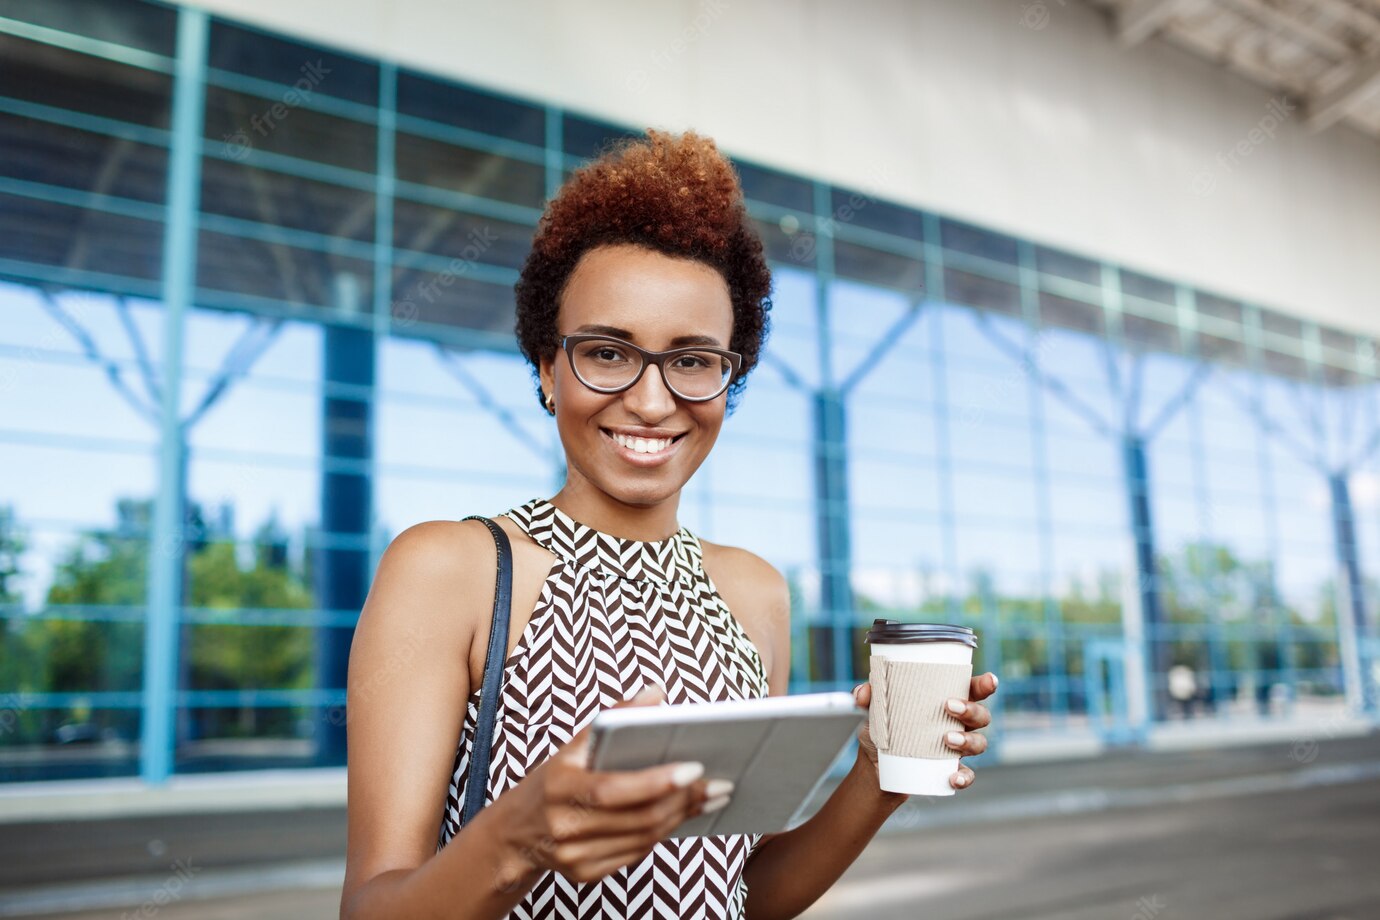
x=1275 y=830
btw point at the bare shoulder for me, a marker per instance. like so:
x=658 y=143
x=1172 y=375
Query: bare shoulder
x=742 y=568
x=440 y=551
x=442 y=567
x=442 y=535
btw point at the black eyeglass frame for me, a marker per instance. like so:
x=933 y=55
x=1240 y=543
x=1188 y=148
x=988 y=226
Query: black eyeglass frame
x=649 y=358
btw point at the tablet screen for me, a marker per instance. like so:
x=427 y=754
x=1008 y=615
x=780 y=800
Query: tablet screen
x=776 y=750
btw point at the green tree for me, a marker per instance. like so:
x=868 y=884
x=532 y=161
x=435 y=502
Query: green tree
x=13 y=543
x=19 y=671
x=231 y=656
x=94 y=640
x=97 y=644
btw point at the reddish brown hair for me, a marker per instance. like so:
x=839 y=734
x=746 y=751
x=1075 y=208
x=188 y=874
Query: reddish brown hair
x=676 y=194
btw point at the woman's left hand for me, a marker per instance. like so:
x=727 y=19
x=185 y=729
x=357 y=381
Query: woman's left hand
x=971 y=713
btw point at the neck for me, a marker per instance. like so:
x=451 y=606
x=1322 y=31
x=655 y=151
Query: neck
x=595 y=508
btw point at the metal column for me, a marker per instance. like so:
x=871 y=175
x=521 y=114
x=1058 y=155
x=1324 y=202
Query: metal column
x=1136 y=469
x=346 y=500
x=179 y=282
x=831 y=516
x=1353 y=596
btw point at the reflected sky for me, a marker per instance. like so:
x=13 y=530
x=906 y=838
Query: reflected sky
x=960 y=459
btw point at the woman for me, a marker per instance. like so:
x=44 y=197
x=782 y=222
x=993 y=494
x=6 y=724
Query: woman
x=642 y=308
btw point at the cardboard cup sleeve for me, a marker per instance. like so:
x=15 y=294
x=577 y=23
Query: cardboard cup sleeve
x=907 y=716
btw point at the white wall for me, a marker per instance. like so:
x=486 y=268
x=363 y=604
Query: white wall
x=1021 y=115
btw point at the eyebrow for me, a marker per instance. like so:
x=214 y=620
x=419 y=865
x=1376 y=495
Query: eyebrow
x=677 y=342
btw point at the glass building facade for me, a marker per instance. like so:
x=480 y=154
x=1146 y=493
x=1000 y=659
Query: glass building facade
x=256 y=318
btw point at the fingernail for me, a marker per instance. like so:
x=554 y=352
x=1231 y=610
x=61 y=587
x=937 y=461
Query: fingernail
x=857 y=689
x=717 y=787
x=953 y=738
x=686 y=773
x=994 y=681
x=714 y=804
x=956 y=707
x=646 y=693
x=961 y=780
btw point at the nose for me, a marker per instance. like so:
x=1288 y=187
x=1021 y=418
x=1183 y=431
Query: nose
x=650 y=398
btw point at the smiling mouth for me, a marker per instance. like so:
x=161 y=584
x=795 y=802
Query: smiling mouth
x=648 y=446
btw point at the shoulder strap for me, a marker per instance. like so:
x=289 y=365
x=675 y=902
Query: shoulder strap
x=477 y=785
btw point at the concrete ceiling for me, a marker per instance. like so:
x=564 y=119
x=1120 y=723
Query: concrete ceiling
x=1323 y=53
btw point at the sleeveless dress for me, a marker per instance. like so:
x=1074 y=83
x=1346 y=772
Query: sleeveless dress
x=615 y=614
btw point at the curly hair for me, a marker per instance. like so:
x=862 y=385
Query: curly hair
x=675 y=194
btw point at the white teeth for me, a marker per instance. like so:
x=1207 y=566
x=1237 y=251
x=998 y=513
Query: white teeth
x=642 y=445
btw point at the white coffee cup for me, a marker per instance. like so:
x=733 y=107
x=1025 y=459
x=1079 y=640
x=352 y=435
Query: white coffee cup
x=926 y=664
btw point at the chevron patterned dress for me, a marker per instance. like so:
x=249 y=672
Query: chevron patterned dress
x=615 y=614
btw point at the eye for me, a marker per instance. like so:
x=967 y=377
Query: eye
x=607 y=354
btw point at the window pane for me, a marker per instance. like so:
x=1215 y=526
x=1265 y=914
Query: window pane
x=79 y=239
x=474 y=110
x=275 y=199
x=52 y=76
x=311 y=68
x=132 y=23
x=52 y=154
x=245 y=124
x=472 y=172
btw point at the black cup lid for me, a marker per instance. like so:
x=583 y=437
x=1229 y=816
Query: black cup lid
x=894 y=632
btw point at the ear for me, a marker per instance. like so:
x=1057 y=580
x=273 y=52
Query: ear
x=546 y=368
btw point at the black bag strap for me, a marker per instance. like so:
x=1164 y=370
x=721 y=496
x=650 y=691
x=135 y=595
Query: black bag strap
x=478 y=782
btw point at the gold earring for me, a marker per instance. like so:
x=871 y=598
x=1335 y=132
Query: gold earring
x=551 y=403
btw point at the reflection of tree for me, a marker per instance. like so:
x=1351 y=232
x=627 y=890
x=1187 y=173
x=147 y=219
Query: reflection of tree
x=13 y=542
x=1096 y=604
x=235 y=656
x=1208 y=583
x=91 y=636
x=253 y=341
x=1133 y=429
x=94 y=641
x=1202 y=579
x=1340 y=443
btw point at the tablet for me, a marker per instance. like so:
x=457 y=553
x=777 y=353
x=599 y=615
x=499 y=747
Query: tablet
x=777 y=750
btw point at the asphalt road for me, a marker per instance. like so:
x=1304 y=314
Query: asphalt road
x=1257 y=833
x=1303 y=855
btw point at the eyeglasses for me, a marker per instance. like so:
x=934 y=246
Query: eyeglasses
x=609 y=365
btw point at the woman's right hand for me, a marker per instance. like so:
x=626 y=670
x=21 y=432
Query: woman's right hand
x=586 y=824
